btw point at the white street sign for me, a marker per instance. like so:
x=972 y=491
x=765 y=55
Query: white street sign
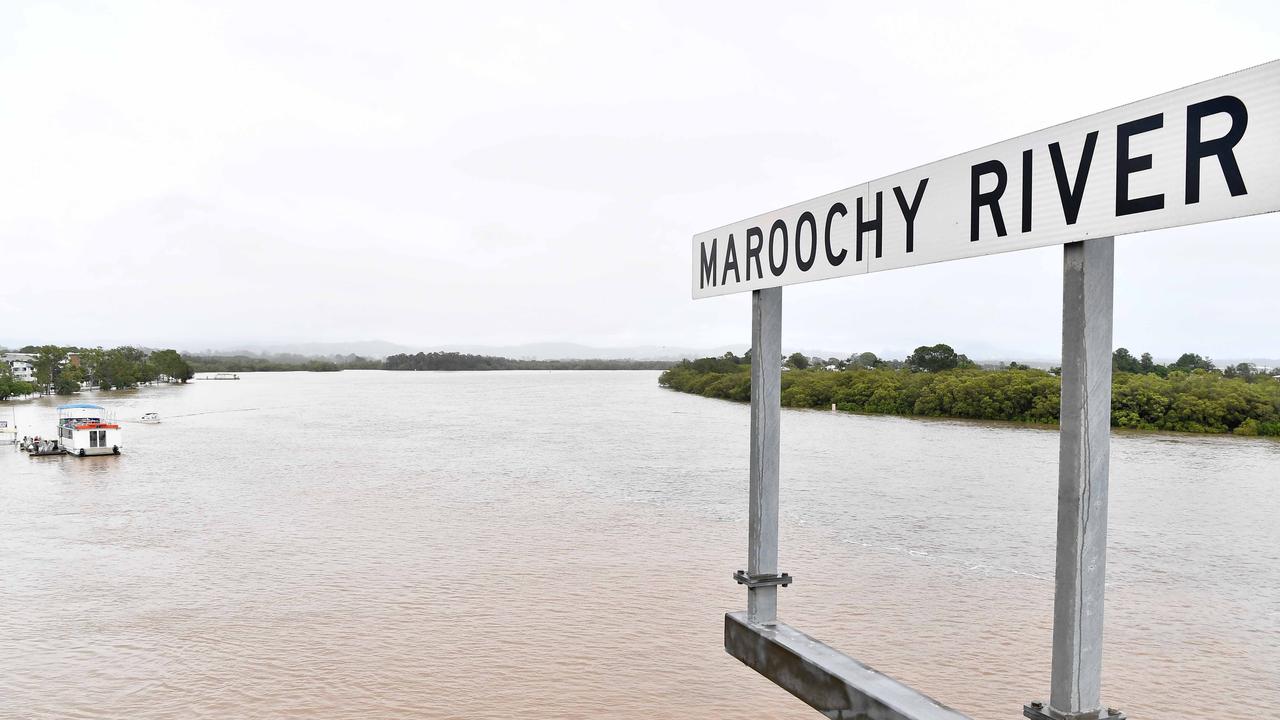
x=1206 y=152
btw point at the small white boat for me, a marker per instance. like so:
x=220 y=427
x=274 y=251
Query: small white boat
x=150 y=418
x=225 y=376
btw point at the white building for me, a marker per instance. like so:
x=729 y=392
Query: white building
x=21 y=365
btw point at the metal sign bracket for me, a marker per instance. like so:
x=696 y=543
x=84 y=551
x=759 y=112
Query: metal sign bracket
x=754 y=581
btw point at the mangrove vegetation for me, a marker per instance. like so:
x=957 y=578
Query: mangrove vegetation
x=1189 y=395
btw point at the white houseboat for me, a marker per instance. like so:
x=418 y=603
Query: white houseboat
x=88 y=430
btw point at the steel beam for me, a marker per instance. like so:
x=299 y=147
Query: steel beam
x=1083 y=464
x=828 y=681
x=766 y=412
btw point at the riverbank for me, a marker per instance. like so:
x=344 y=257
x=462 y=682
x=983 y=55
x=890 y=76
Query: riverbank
x=66 y=370
x=1198 y=402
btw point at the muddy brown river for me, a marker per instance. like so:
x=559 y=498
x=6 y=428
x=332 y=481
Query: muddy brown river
x=560 y=545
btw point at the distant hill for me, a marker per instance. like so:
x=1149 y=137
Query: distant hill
x=363 y=348
x=528 y=351
x=577 y=351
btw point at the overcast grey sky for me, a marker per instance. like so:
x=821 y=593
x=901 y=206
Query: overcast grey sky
x=214 y=174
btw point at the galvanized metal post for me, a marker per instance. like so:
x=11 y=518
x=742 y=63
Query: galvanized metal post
x=766 y=412
x=1084 y=458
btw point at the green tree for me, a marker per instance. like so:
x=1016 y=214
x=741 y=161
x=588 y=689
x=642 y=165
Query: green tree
x=11 y=386
x=47 y=362
x=864 y=360
x=69 y=380
x=1245 y=370
x=171 y=364
x=120 y=367
x=1192 y=361
x=935 y=358
x=92 y=362
x=798 y=361
x=1123 y=361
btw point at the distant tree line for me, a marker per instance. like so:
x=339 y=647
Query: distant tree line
x=129 y=366
x=65 y=369
x=419 y=361
x=1124 y=361
x=280 y=363
x=934 y=381
x=926 y=358
x=462 y=361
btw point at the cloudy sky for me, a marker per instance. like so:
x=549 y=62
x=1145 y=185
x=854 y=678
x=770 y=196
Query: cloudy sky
x=217 y=174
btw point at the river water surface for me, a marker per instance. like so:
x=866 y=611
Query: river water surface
x=560 y=545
